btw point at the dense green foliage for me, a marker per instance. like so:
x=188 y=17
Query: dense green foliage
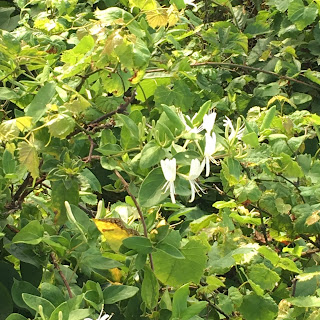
x=118 y=109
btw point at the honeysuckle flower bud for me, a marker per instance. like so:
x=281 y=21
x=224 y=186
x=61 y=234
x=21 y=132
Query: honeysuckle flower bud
x=209 y=150
x=195 y=170
x=169 y=171
x=238 y=132
x=208 y=121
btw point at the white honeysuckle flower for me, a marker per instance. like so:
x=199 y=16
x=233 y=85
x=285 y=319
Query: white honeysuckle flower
x=233 y=132
x=195 y=170
x=209 y=150
x=102 y=317
x=169 y=171
x=208 y=121
x=188 y=128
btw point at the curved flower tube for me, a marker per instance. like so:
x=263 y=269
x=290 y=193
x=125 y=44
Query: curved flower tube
x=209 y=150
x=169 y=171
x=195 y=170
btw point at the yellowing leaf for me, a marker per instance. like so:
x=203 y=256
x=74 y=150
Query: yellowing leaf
x=144 y=4
x=77 y=104
x=114 y=231
x=173 y=16
x=281 y=99
x=28 y=157
x=8 y=130
x=157 y=18
x=23 y=123
x=313 y=218
x=114 y=39
x=61 y=125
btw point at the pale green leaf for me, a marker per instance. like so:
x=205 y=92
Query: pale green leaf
x=28 y=157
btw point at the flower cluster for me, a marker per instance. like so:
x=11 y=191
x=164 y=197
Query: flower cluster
x=169 y=166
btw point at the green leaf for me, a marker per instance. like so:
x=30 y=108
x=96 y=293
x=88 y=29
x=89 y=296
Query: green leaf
x=97 y=261
x=34 y=302
x=20 y=287
x=313 y=76
x=37 y=108
x=263 y=276
x=32 y=233
x=150 y=193
x=201 y=113
x=180 y=4
x=74 y=55
x=139 y=244
x=151 y=154
x=291 y=167
x=8 y=162
x=115 y=293
x=6 y=302
x=110 y=149
x=28 y=157
x=179 y=304
x=52 y=293
x=147 y=87
x=8 y=94
x=251 y=139
x=129 y=132
x=169 y=269
x=269 y=254
x=150 y=289
x=170 y=250
x=174 y=118
x=31 y=273
x=61 y=312
x=16 y=316
x=61 y=125
x=268 y=118
x=305 y=302
x=256 y=307
x=302 y=15
x=180 y=309
x=288 y=264
x=91 y=179
x=79 y=314
x=249 y=191
x=60 y=193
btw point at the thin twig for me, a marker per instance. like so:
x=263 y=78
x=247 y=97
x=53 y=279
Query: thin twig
x=242 y=66
x=307 y=253
x=25 y=183
x=294 y=284
x=91 y=126
x=120 y=109
x=92 y=145
x=306 y=238
x=296 y=187
x=264 y=229
x=56 y=265
x=28 y=191
x=126 y=186
x=217 y=308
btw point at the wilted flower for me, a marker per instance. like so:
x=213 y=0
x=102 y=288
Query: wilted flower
x=238 y=132
x=169 y=171
x=209 y=150
x=195 y=170
x=208 y=121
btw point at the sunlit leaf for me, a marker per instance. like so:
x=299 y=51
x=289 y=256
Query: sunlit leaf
x=28 y=157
